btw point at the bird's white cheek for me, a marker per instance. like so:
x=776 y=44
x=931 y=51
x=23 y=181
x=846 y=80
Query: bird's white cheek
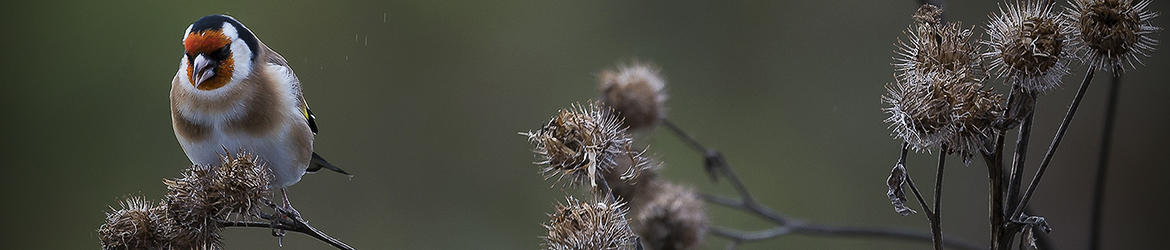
x=242 y=57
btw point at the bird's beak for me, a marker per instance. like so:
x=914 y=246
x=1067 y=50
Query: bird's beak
x=203 y=70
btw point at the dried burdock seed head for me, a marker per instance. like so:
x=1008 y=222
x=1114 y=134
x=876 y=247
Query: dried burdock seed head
x=1107 y=32
x=975 y=111
x=637 y=92
x=583 y=143
x=951 y=109
x=135 y=226
x=935 y=47
x=938 y=97
x=1028 y=46
x=595 y=225
x=928 y=13
x=243 y=183
x=192 y=206
x=206 y=195
x=670 y=216
x=919 y=113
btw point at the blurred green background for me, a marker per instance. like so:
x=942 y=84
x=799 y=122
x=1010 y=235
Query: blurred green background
x=422 y=101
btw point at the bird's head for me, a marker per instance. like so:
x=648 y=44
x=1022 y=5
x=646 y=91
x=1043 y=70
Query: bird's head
x=218 y=50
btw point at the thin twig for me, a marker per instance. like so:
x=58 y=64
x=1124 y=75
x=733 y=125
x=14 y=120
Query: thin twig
x=286 y=220
x=1072 y=110
x=785 y=224
x=910 y=182
x=838 y=231
x=921 y=201
x=1102 y=164
x=936 y=220
x=714 y=160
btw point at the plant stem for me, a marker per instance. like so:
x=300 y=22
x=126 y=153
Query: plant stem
x=713 y=159
x=839 y=231
x=787 y=225
x=935 y=222
x=1017 y=174
x=1072 y=110
x=289 y=221
x=996 y=189
x=1102 y=164
x=925 y=208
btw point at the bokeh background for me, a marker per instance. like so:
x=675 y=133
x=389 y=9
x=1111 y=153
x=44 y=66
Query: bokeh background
x=422 y=101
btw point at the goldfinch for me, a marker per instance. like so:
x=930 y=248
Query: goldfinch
x=233 y=92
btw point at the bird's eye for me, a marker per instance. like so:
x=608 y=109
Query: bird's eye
x=220 y=54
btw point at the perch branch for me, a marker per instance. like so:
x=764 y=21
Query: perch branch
x=286 y=220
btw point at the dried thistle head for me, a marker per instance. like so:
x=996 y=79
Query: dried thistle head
x=1107 y=32
x=938 y=98
x=137 y=225
x=928 y=13
x=192 y=207
x=932 y=46
x=242 y=183
x=952 y=110
x=596 y=225
x=637 y=92
x=975 y=111
x=919 y=113
x=670 y=216
x=583 y=143
x=206 y=195
x=1028 y=46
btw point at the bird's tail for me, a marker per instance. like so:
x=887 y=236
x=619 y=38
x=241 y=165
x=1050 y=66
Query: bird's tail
x=318 y=163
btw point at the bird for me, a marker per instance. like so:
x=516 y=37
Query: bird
x=233 y=91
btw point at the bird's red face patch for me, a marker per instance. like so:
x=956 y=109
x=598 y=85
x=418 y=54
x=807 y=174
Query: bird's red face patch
x=205 y=41
x=208 y=42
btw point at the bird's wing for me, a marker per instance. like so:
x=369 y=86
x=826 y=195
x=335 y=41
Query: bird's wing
x=275 y=60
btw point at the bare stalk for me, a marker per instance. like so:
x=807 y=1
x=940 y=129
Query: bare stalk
x=1003 y=238
x=786 y=225
x=288 y=221
x=936 y=220
x=1072 y=110
x=994 y=162
x=838 y=231
x=921 y=201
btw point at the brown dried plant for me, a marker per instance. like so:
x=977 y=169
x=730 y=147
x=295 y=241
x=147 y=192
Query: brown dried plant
x=599 y=224
x=582 y=143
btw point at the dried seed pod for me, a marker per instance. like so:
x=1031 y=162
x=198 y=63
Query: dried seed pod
x=938 y=97
x=670 y=217
x=1028 y=46
x=583 y=143
x=578 y=225
x=135 y=226
x=933 y=47
x=1106 y=33
x=636 y=92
